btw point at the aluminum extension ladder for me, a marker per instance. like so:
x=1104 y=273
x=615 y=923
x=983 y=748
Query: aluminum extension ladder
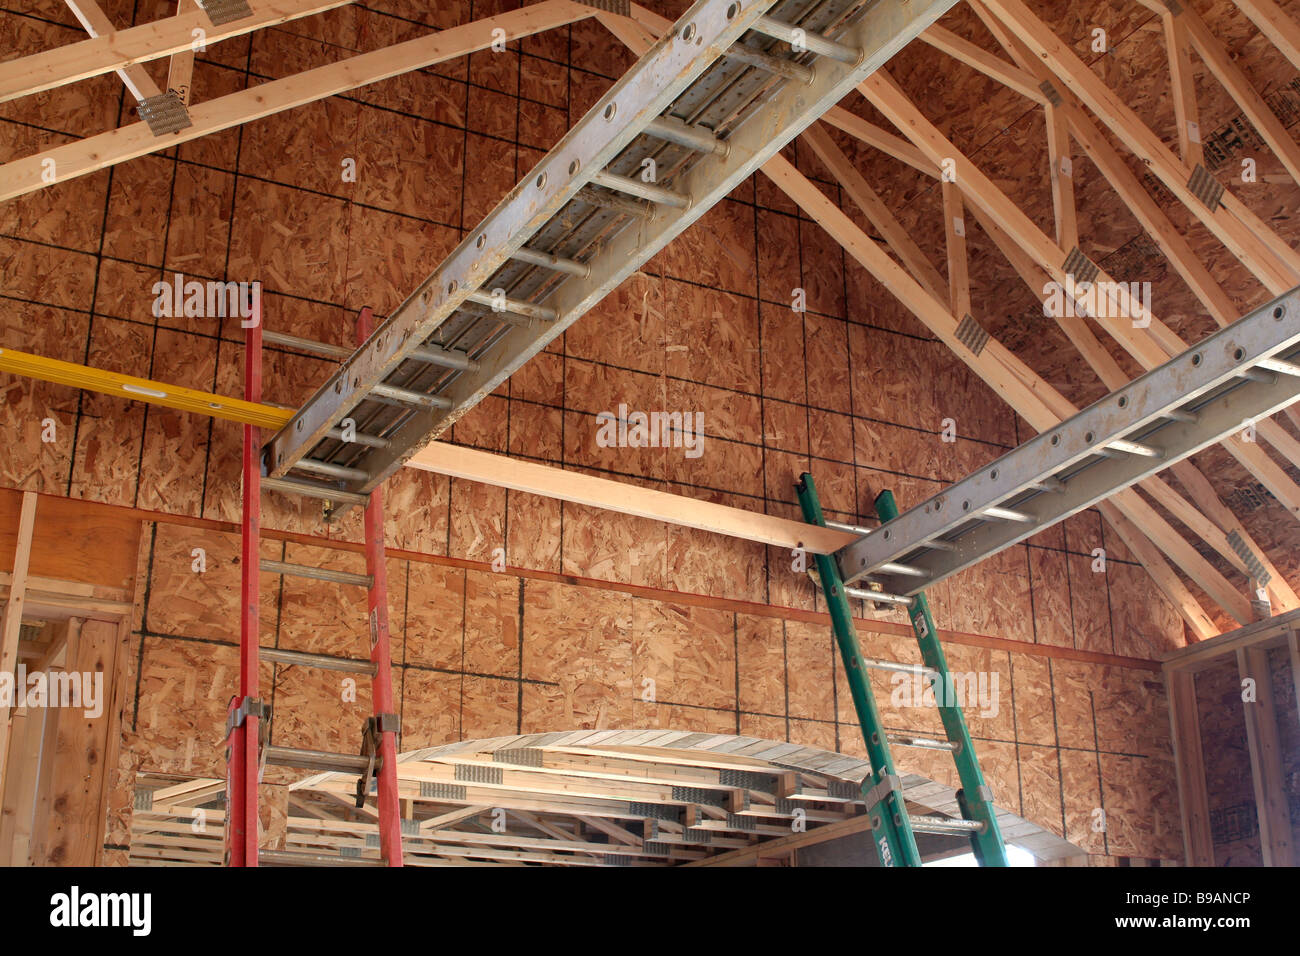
x=893 y=829
x=249 y=717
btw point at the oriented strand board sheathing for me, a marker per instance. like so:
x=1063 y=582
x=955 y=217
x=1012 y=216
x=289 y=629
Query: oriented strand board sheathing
x=761 y=665
x=688 y=653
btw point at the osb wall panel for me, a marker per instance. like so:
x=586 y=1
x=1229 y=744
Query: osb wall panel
x=852 y=389
x=1079 y=748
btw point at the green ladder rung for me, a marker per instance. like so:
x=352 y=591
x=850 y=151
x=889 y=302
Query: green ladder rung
x=891 y=827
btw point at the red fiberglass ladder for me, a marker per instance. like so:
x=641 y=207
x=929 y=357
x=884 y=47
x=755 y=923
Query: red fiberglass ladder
x=248 y=720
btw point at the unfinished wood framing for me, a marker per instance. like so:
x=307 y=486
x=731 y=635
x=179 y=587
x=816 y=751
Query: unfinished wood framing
x=614 y=655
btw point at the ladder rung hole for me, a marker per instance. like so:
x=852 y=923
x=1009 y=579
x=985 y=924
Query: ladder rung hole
x=994 y=475
x=1056 y=439
x=1238 y=354
x=610 y=110
x=1123 y=401
x=1196 y=359
x=1088 y=437
x=732 y=11
x=541 y=181
x=574 y=166
x=478 y=243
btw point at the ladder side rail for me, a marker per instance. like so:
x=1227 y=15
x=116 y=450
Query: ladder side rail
x=244 y=722
x=890 y=827
x=385 y=719
x=975 y=796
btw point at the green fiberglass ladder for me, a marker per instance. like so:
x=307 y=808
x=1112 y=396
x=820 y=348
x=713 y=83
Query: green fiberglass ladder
x=892 y=828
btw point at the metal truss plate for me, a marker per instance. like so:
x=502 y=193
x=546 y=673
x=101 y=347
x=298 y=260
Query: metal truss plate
x=479 y=773
x=519 y=757
x=1250 y=559
x=434 y=790
x=971 y=334
x=165 y=113
x=224 y=11
x=1205 y=187
x=1074 y=465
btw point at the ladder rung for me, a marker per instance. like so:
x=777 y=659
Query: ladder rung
x=616 y=203
x=1280 y=365
x=1006 y=514
x=432 y=356
x=303 y=858
x=921 y=743
x=936 y=824
x=321 y=760
x=547 y=261
x=279 y=655
x=1136 y=448
x=517 y=306
x=850 y=528
x=634 y=187
x=883 y=597
x=683 y=134
x=898 y=667
x=319 y=574
x=788 y=69
x=331 y=469
x=1178 y=415
x=312 y=489
x=371 y=441
x=1257 y=375
x=811 y=41
x=408 y=397
x=940 y=545
x=307 y=345
x=893 y=567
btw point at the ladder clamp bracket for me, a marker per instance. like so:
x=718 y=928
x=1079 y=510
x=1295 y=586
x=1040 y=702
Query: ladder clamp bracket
x=888 y=784
x=248 y=707
x=384 y=723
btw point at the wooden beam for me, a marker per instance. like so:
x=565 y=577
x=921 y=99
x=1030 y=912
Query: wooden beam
x=1268 y=633
x=149 y=41
x=1248 y=237
x=1061 y=172
x=180 y=72
x=750 y=856
x=1266 y=760
x=1182 y=82
x=85 y=156
x=896 y=235
x=954 y=228
x=1281 y=30
x=536 y=479
x=1189 y=767
x=981 y=60
x=138 y=82
x=880 y=139
x=12 y=621
x=1215 y=56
